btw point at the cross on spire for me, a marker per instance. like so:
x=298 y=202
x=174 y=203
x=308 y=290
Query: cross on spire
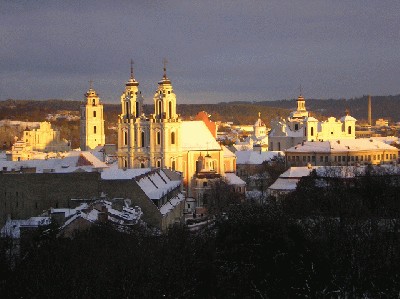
x=90 y=84
x=165 y=61
x=132 y=69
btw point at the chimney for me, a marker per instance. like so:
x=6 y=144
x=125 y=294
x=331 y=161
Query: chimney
x=103 y=215
x=369 y=111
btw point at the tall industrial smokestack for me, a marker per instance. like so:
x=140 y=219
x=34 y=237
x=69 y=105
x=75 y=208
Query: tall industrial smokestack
x=369 y=111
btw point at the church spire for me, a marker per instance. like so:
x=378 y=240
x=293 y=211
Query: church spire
x=132 y=81
x=165 y=61
x=132 y=77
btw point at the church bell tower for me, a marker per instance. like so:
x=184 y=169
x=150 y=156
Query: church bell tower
x=92 y=121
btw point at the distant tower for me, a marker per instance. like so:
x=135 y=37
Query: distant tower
x=369 y=111
x=92 y=121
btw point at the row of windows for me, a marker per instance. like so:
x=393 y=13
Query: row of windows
x=142 y=139
x=361 y=158
x=142 y=164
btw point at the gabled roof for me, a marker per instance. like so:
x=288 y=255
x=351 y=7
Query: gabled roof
x=196 y=136
x=69 y=162
x=255 y=157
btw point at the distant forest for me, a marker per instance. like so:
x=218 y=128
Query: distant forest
x=237 y=112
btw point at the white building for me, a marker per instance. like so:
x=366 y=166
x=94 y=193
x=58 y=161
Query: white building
x=300 y=126
x=92 y=122
x=341 y=152
x=258 y=140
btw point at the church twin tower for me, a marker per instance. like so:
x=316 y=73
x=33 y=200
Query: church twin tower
x=149 y=141
x=143 y=141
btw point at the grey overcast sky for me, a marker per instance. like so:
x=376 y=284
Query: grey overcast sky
x=217 y=50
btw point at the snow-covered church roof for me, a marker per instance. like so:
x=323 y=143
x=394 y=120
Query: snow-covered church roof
x=196 y=136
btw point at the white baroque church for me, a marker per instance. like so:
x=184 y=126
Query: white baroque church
x=300 y=127
x=163 y=140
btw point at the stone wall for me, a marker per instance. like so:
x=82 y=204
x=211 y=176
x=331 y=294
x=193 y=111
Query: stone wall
x=29 y=194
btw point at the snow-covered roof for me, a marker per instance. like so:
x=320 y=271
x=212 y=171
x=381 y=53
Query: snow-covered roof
x=171 y=204
x=156 y=184
x=284 y=184
x=233 y=179
x=114 y=173
x=228 y=153
x=12 y=227
x=387 y=139
x=196 y=136
x=255 y=157
x=67 y=162
x=342 y=145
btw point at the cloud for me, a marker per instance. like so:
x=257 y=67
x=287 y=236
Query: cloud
x=227 y=50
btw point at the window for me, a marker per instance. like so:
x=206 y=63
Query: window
x=340 y=159
x=170 y=109
x=173 y=138
x=137 y=109
x=125 y=163
x=159 y=108
x=321 y=158
x=94 y=113
x=127 y=108
x=349 y=130
x=313 y=158
x=125 y=138
x=142 y=165
x=158 y=137
x=159 y=163
x=173 y=165
x=296 y=127
x=142 y=139
x=312 y=131
x=94 y=102
x=279 y=146
x=94 y=130
x=204 y=184
x=304 y=158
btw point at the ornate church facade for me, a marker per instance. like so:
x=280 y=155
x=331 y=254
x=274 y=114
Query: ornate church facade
x=163 y=140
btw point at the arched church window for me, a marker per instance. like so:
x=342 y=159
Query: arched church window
x=127 y=108
x=94 y=113
x=142 y=165
x=312 y=131
x=170 y=109
x=137 y=109
x=158 y=137
x=169 y=92
x=142 y=139
x=94 y=130
x=173 y=138
x=349 y=130
x=158 y=163
x=159 y=109
x=125 y=163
